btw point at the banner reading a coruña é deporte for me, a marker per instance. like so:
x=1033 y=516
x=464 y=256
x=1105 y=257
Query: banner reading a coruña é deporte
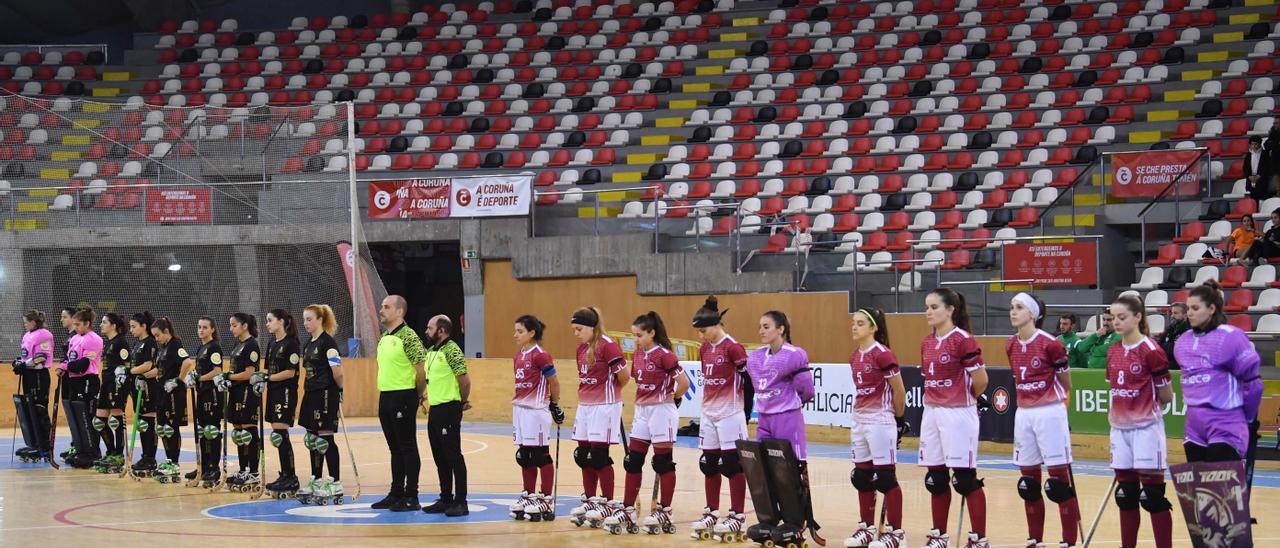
x=444 y=197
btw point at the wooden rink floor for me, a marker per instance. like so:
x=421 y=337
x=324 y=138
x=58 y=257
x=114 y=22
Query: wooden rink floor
x=43 y=507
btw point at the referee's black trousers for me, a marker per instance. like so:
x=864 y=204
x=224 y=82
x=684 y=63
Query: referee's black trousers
x=444 y=431
x=398 y=411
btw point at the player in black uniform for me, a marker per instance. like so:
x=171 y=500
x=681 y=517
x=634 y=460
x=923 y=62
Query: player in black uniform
x=143 y=359
x=281 y=376
x=244 y=401
x=323 y=363
x=108 y=421
x=202 y=369
x=171 y=399
x=63 y=344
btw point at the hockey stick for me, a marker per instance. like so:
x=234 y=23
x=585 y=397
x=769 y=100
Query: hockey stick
x=555 y=482
x=222 y=476
x=13 y=440
x=53 y=424
x=1071 y=473
x=1250 y=458
x=350 y=454
x=1093 y=528
x=808 y=510
x=195 y=422
x=960 y=524
x=133 y=437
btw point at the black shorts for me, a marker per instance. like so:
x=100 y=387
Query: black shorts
x=282 y=404
x=147 y=403
x=320 y=410
x=111 y=395
x=209 y=407
x=83 y=388
x=171 y=407
x=245 y=405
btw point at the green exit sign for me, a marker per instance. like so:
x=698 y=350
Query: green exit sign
x=470 y=254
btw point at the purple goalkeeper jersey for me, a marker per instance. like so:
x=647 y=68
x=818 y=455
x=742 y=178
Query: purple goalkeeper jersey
x=782 y=380
x=1220 y=370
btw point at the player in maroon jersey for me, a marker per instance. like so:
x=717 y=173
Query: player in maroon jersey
x=878 y=426
x=723 y=421
x=602 y=372
x=954 y=380
x=1138 y=372
x=533 y=408
x=1041 y=434
x=660 y=382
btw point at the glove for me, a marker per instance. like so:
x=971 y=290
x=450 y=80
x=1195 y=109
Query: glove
x=557 y=414
x=904 y=427
x=170 y=385
x=257 y=380
x=122 y=375
x=18 y=366
x=190 y=380
x=222 y=382
x=339 y=396
x=679 y=400
x=984 y=404
x=139 y=383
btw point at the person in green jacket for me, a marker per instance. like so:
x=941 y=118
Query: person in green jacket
x=1095 y=346
x=1067 y=327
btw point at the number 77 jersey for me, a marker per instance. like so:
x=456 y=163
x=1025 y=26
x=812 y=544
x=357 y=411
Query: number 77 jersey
x=1036 y=363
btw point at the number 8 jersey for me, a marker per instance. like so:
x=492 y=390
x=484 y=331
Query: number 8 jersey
x=1135 y=373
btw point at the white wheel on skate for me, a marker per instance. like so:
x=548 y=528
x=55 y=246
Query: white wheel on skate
x=322 y=501
x=703 y=535
x=339 y=501
x=768 y=543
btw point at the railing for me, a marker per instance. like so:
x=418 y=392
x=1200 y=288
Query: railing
x=1204 y=162
x=41 y=48
x=986 y=285
x=595 y=202
x=1075 y=183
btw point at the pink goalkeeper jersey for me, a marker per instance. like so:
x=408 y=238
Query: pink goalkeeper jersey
x=532 y=367
x=872 y=368
x=947 y=362
x=1135 y=373
x=597 y=384
x=1036 y=364
x=88 y=346
x=37 y=343
x=655 y=373
x=722 y=363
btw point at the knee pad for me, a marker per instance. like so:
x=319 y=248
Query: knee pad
x=633 y=463
x=730 y=466
x=1128 y=494
x=582 y=457
x=863 y=479
x=965 y=481
x=165 y=431
x=98 y=424
x=321 y=444
x=541 y=456
x=309 y=440
x=885 y=479
x=210 y=432
x=935 y=481
x=277 y=438
x=663 y=463
x=523 y=458
x=114 y=422
x=1058 y=490
x=600 y=458
x=1152 y=498
x=1029 y=489
x=709 y=463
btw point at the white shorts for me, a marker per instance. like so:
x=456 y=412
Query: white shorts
x=1142 y=448
x=874 y=442
x=722 y=434
x=655 y=423
x=949 y=437
x=1041 y=436
x=531 y=426
x=598 y=423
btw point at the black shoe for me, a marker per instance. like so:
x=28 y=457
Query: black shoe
x=406 y=503
x=386 y=502
x=439 y=506
x=191 y=475
x=457 y=509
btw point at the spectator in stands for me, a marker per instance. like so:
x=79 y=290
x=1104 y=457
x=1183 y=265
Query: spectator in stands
x=1271 y=151
x=1095 y=346
x=1257 y=171
x=1067 y=326
x=1177 y=326
x=1242 y=238
x=1269 y=246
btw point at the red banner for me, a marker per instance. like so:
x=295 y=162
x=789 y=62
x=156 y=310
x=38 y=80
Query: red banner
x=348 y=257
x=1073 y=263
x=1146 y=173
x=411 y=199
x=178 y=205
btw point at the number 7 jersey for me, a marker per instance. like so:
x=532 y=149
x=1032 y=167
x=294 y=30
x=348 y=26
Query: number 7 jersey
x=1036 y=364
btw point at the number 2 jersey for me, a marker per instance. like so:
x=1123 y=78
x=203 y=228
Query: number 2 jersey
x=597 y=384
x=722 y=367
x=947 y=362
x=532 y=368
x=872 y=368
x=655 y=373
x=1036 y=364
x=1136 y=373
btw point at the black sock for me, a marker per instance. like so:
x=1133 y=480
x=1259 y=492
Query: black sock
x=286 y=452
x=331 y=456
x=107 y=435
x=148 y=435
x=119 y=434
x=253 y=449
x=242 y=454
x=173 y=447
x=317 y=463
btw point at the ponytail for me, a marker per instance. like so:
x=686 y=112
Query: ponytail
x=959 y=310
x=533 y=325
x=1210 y=293
x=650 y=321
x=36 y=317
x=710 y=314
x=116 y=321
x=144 y=319
x=877 y=321
x=590 y=317
x=290 y=326
x=84 y=315
x=780 y=320
x=249 y=321
x=328 y=323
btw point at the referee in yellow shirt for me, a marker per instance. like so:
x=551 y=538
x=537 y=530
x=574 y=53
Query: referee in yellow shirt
x=447 y=389
x=400 y=385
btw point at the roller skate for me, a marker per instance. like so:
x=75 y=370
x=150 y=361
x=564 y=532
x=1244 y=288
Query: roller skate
x=110 y=464
x=540 y=508
x=730 y=529
x=283 y=488
x=81 y=460
x=862 y=537
x=788 y=535
x=936 y=539
x=620 y=519
x=327 y=491
x=144 y=468
x=209 y=478
x=889 y=539
x=192 y=475
x=167 y=472
x=659 y=521
x=1033 y=543
x=701 y=529
x=306 y=490
x=977 y=542
x=235 y=481
x=761 y=533
x=516 y=511
x=67 y=454
x=590 y=505
x=28 y=455
x=252 y=482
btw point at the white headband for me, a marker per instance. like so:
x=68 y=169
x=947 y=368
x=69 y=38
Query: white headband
x=1028 y=302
